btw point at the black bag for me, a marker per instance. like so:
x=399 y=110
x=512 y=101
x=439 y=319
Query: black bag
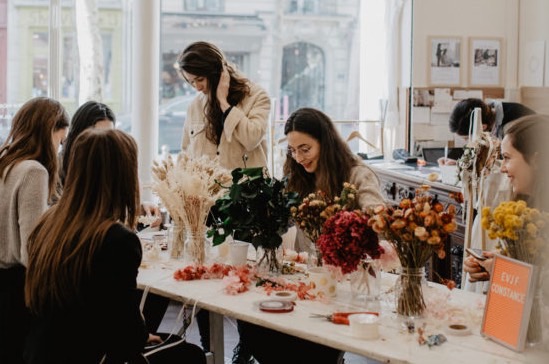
x=173 y=349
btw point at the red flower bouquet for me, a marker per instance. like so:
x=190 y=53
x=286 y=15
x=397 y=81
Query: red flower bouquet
x=316 y=208
x=347 y=239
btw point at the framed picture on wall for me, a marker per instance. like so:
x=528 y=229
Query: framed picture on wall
x=444 y=61
x=485 y=62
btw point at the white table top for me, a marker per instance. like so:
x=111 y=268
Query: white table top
x=394 y=345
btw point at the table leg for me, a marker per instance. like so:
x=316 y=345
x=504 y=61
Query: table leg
x=217 y=341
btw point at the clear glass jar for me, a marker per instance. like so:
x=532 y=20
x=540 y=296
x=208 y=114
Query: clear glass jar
x=366 y=280
x=409 y=288
x=269 y=261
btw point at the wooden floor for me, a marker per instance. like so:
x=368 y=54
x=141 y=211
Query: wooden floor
x=231 y=335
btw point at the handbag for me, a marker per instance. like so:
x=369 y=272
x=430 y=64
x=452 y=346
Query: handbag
x=174 y=347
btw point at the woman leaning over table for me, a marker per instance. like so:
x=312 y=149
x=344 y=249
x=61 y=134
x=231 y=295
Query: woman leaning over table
x=28 y=175
x=318 y=159
x=81 y=283
x=229 y=116
x=526 y=163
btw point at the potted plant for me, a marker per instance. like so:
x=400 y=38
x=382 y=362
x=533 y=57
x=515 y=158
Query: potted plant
x=256 y=209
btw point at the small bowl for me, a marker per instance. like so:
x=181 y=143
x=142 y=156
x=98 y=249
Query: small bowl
x=364 y=326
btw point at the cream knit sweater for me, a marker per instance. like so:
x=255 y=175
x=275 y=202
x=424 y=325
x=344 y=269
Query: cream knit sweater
x=23 y=199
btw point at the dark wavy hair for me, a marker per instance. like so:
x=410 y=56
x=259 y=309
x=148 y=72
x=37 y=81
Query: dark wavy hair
x=86 y=116
x=204 y=59
x=461 y=115
x=335 y=161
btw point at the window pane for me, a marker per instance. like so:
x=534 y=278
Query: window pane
x=298 y=60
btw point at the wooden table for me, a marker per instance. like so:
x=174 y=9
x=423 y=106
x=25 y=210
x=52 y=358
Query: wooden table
x=395 y=345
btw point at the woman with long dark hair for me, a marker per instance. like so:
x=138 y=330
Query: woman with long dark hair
x=81 y=285
x=229 y=118
x=28 y=179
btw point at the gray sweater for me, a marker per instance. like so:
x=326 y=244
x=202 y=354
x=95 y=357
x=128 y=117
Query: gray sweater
x=24 y=199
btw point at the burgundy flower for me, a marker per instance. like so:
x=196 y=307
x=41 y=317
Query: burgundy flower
x=346 y=239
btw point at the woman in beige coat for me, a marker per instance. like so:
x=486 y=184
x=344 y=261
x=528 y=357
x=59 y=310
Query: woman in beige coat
x=229 y=117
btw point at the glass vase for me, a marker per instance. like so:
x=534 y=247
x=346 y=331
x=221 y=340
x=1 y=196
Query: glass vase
x=195 y=246
x=176 y=242
x=269 y=260
x=366 y=280
x=409 y=286
x=534 y=334
x=315 y=256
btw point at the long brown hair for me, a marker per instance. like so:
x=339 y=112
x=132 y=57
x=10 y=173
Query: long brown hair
x=30 y=137
x=102 y=191
x=528 y=135
x=204 y=59
x=335 y=161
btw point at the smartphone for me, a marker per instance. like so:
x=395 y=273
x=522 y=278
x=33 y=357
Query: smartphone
x=476 y=253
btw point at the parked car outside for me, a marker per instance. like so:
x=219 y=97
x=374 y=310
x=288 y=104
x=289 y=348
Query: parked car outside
x=171 y=118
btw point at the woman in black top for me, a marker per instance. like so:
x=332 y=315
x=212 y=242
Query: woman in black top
x=84 y=256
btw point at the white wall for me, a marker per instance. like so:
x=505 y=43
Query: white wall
x=465 y=19
x=534 y=43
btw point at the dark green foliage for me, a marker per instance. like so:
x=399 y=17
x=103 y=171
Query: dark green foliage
x=255 y=209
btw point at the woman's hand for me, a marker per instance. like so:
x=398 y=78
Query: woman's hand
x=154 y=339
x=478 y=269
x=222 y=91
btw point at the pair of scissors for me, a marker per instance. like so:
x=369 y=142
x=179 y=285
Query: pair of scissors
x=341 y=318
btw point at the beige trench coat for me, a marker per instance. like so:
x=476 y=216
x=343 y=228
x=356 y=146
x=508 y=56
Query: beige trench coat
x=244 y=132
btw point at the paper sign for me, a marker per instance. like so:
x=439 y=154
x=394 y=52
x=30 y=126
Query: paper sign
x=509 y=302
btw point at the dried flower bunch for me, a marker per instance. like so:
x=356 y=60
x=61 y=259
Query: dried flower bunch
x=316 y=208
x=417 y=227
x=479 y=157
x=347 y=239
x=522 y=230
x=188 y=188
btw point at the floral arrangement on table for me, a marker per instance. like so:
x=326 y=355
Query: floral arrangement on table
x=189 y=188
x=256 y=209
x=522 y=231
x=522 y=234
x=347 y=239
x=316 y=208
x=417 y=228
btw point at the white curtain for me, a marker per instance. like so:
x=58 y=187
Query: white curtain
x=393 y=31
x=90 y=49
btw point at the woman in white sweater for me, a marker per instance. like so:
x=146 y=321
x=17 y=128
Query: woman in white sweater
x=229 y=116
x=28 y=176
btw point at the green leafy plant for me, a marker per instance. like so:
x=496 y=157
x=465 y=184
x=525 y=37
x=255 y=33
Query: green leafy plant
x=256 y=209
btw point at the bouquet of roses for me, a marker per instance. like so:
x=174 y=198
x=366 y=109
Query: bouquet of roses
x=347 y=239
